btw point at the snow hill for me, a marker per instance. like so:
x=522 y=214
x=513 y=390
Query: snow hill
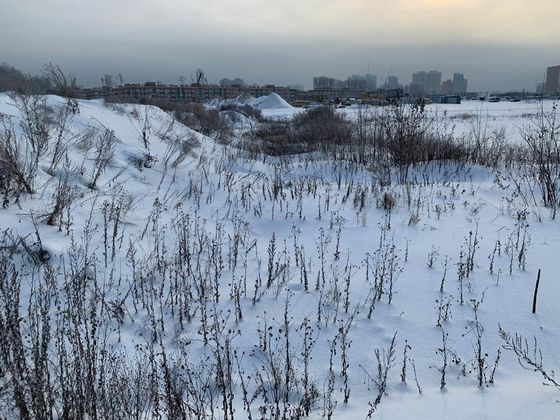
x=272 y=101
x=185 y=278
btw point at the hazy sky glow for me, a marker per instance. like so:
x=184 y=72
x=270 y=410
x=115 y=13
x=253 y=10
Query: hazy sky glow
x=498 y=44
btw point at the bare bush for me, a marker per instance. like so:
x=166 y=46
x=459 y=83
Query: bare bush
x=400 y=136
x=141 y=121
x=205 y=121
x=25 y=335
x=529 y=356
x=543 y=159
x=246 y=110
x=22 y=148
x=178 y=146
x=411 y=138
x=63 y=197
x=61 y=135
x=318 y=129
x=388 y=201
x=322 y=126
x=64 y=84
x=386 y=359
x=105 y=147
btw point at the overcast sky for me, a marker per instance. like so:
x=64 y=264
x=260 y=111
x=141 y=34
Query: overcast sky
x=497 y=44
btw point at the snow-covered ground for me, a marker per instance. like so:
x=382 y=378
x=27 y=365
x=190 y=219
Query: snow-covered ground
x=223 y=251
x=464 y=118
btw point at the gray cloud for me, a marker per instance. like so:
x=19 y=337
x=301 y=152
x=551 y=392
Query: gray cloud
x=282 y=42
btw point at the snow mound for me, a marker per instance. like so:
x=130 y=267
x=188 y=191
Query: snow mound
x=245 y=99
x=272 y=101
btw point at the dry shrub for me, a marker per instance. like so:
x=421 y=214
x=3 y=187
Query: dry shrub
x=388 y=202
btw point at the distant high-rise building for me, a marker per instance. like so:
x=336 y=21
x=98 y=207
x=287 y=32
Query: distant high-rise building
x=552 y=84
x=324 y=82
x=355 y=82
x=459 y=84
x=447 y=87
x=434 y=82
x=418 y=85
x=425 y=82
x=392 y=82
x=364 y=83
x=371 y=81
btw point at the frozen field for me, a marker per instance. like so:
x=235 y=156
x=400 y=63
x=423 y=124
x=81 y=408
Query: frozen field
x=463 y=118
x=184 y=277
